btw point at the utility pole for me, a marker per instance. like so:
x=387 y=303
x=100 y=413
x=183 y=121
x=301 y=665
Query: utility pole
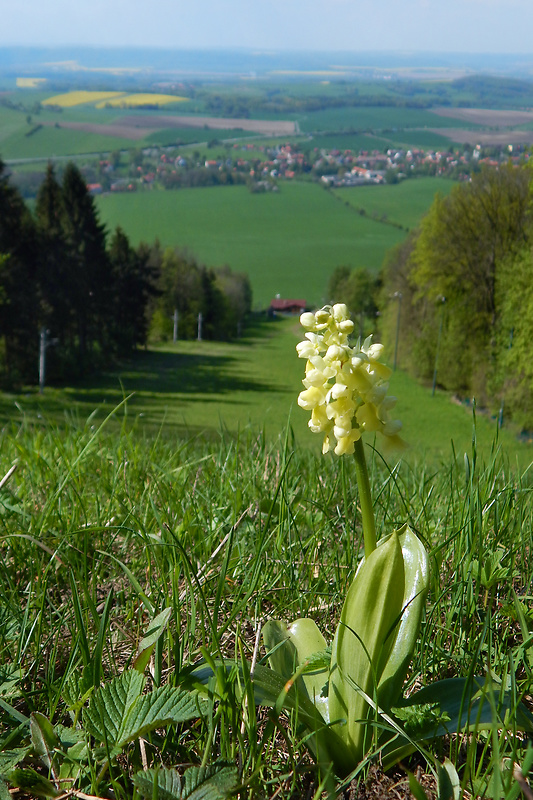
x=44 y=344
x=200 y=320
x=42 y=359
x=175 y=332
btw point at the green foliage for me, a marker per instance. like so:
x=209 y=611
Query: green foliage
x=221 y=532
x=450 y=270
x=282 y=241
x=222 y=297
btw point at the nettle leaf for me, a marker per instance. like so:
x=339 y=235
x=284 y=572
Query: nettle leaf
x=10 y=758
x=167 y=781
x=110 y=704
x=198 y=783
x=164 y=706
x=209 y=783
x=148 y=642
x=118 y=713
x=4 y=791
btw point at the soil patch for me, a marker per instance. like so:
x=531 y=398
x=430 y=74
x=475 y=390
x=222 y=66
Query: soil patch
x=498 y=137
x=122 y=131
x=486 y=116
x=268 y=127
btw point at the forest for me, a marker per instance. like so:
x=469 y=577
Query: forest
x=96 y=296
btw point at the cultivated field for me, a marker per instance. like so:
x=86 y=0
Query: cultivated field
x=288 y=242
x=486 y=117
x=487 y=138
x=78 y=98
x=141 y=99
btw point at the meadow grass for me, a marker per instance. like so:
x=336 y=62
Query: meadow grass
x=365 y=118
x=195 y=388
x=102 y=529
x=287 y=242
x=403 y=203
x=50 y=141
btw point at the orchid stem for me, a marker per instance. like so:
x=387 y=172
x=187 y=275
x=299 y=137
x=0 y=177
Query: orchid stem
x=365 y=498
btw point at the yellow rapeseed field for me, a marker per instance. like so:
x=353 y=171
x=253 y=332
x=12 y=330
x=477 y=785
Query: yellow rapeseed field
x=78 y=98
x=30 y=83
x=132 y=100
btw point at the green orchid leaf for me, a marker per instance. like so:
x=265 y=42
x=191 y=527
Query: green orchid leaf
x=271 y=689
x=363 y=642
x=299 y=648
x=416 y=584
x=465 y=704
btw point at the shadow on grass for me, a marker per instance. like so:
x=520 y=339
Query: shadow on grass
x=199 y=377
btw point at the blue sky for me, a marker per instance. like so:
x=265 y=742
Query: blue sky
x=471 y=26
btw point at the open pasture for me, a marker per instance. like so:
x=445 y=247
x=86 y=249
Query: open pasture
x=50 y=140
x=200 y=389
x=288 y=242
x=365 y=118
x=402 y=203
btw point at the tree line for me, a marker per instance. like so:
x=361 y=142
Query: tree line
x=97 y=296
x=457 y=295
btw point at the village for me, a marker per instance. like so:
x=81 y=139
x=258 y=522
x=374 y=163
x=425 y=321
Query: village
x=261 y=166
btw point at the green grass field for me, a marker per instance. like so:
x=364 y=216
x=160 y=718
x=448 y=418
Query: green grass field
x=204 y=388
x=376 y=118
x=404 y=203
x=288 y=243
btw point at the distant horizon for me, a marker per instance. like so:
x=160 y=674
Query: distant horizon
x=228 y=61
x=459 y=26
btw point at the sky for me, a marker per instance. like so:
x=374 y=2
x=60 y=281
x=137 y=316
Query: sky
x=465 y=26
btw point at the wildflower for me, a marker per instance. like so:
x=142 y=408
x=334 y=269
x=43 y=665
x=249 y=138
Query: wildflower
x=345 y=386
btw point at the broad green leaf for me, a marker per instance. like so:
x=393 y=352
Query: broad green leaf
x=110 y=705
x=32 y=783
x=4 y=791
x=118 y=713
x=293 y=648
x=165 y=706
x=416 y=789
x=468 y=705
x=448 y=783
x=43 y=738
x=363 y=642
x=148 y=642
x=166 y=782
x=416 y=584
x=198 y=783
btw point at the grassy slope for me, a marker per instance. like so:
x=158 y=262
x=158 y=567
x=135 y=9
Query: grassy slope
x=288 y=242
x=403 y=203
x=201 y=387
